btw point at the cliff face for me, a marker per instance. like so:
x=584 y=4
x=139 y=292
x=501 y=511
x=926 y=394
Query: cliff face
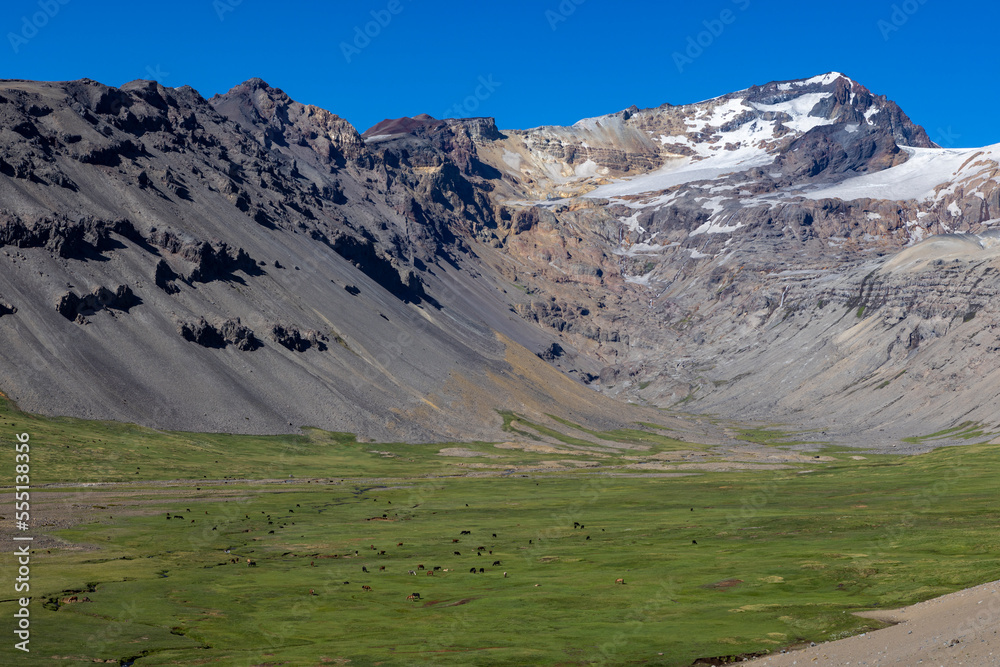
x=247 y=264
x=250 y=263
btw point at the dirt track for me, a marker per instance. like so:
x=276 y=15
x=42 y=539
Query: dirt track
x=956 y=629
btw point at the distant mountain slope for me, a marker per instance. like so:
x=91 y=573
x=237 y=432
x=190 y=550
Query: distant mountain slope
x=243 y=264
x=252 y=264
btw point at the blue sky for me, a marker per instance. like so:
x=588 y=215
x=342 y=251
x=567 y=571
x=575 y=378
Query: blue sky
x=525 y=63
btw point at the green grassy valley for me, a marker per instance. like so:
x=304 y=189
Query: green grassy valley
x=142 y=541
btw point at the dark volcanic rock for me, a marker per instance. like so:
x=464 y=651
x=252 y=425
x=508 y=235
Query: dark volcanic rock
x=239 y=336
x=79 y=238
x=202 y=333
x=215 y=261
x=218 y=336
x=295 y=340
x=164 y=277
x=74 y=307
x=552 y=352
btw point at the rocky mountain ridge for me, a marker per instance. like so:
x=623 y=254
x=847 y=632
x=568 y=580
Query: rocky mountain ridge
x=250 y=263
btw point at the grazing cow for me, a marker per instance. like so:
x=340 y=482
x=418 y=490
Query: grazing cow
x=312 y=592
x=620 y=581
x=530 y=542
x=466 y=532
x=399 y=544
x=588 y=537
x=494 y=534
x=576 y=524
x=458 y=553
x=480 y=548
x=421 y=567
x=481 y=570
x=430 y=573
x=411 y=572
x=437 y=567
x=413 y=597
x=366 y=588
x=504 y=575
x=381 y=568
x=381 y=553
x=373 y=547
x=346 y=583
x=364 y=569
x=454 y=540
x=251 y=563
x=496 y=563
x=472 y=570
x=694 y=541
x=582 y=526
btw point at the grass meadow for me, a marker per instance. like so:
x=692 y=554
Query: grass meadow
x=136 y=532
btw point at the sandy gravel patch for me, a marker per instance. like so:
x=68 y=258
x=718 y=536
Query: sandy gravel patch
x=462 y=451
x=716 y=466
x=956 y=629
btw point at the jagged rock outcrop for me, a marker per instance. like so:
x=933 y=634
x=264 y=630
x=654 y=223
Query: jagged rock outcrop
x=211 y=261
x=295 y=340
x=219 y=335
x=77 y=238
x=77 y=308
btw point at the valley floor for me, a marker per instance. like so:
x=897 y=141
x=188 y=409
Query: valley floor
x=165 y=548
